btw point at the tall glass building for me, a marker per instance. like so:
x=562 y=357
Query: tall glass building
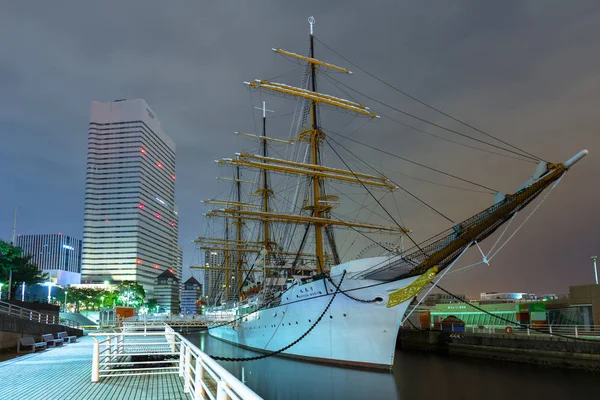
x=56 y=254
x=131 y=224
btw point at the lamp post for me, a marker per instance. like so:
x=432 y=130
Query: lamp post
x=593 y=258
x=23 y=292
x=102 y=299
x=49 y=284
x=1 y=284
x=65 y=309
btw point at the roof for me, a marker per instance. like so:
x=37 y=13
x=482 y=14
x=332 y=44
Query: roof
x=168 y=274
x=192 y=281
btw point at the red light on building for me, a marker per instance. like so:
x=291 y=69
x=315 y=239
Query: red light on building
x=156 y=266
x=105 y=220
x=59 y=234
x=171 y=270
x=159 y=164
x=172 y=223
x=138 y=261
x=143 y=150
x=141 y=206
x=173 y=176
x=157 y=216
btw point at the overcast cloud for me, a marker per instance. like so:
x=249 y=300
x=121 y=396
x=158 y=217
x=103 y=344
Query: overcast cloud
x=527 y=71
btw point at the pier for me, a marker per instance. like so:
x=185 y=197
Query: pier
x=138 y=361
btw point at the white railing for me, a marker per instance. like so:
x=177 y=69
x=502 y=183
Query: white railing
x=586 y=331
x=202 y=377
x=31 y=315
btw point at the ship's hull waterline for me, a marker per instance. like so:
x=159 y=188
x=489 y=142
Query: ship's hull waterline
x=351 y=332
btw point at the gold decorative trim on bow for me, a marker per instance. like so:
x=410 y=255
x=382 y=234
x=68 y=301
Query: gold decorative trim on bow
x=401 y=295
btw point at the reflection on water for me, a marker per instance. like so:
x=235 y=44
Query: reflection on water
x=415 y=376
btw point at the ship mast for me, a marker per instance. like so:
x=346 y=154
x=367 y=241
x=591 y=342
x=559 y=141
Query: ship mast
x=315 y=143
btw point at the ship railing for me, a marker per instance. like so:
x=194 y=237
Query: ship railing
x=31 y=315
x=576 y=331
x=146 y=353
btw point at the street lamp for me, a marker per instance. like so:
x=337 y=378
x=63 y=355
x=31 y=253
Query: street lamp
x=1 y=284
x=593 y=258
x=49 y=284
x=102 y=299
x=66 y=291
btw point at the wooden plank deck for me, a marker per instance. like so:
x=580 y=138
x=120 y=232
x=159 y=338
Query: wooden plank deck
x=64 y=373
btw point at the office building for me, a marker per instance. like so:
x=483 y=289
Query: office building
x=166 y=292
x=214 y=280
x=191 y=295
x=56 y=254
x=131 y=223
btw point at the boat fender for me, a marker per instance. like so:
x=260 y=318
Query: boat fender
x=508 y=330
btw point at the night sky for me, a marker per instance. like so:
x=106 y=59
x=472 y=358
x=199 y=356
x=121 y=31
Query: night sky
x=526 y=71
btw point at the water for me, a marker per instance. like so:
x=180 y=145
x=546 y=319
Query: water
x=415 y=376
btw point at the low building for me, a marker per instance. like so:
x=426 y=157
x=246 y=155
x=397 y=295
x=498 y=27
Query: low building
x=506 y=297
x=56 y=254
x=442 y=298
x=190 y=296
x=166 y=292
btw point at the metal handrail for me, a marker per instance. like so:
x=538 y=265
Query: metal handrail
x=202 y=376
x=584 y=330
x=31 y=315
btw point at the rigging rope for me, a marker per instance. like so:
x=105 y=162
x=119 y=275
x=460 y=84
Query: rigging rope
x=411 y=161
x=428 y=105
x=400 y=187
x=274 y=353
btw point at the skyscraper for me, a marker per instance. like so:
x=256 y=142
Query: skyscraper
x=214 y=280
x=56 y=254
x=131 y=223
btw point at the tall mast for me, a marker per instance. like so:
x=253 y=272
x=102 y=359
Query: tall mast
x=227 y=272
x=315 y=141
x=265 y=184
x=239 y=223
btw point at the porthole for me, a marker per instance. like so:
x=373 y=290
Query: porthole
x=331 y=317
x=345 y=315
x=296 y=322
x=378 y=300
x=309 y=320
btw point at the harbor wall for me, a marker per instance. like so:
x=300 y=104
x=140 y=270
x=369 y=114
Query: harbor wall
x=550 y=351
x=13 y=328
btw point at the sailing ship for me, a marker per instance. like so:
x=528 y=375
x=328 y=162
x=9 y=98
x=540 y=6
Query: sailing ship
x=283 y=287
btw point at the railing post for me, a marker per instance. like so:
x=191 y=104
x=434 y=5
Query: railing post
x=187 y=371
x=576 y=332
x=96 y=362
x=550 y=329
x=181 y=357
x=221 y=393
x=527 y=330
x=46 y=318
x=9 y=307
x=53 y=319
x=198 y=379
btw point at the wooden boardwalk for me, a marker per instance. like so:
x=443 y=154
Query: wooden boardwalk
x=64 y=373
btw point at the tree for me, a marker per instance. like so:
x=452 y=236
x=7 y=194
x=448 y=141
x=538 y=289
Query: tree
x=130 y=294
x=25 y=271
x=152 y=303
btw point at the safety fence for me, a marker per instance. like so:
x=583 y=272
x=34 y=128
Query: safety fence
x=158 y=349
x=31 y=315
x=576 y=331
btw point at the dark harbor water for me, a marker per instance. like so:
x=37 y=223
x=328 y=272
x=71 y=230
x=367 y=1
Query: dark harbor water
x=415 y=376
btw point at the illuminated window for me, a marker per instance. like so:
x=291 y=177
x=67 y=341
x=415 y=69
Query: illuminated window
x=159 y=164
x=157 y=215
x=143 y=150
x=141 y=206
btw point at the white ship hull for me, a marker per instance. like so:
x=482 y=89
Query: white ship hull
x=351 y=332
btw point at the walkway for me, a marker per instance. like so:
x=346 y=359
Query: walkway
x=64 y=373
